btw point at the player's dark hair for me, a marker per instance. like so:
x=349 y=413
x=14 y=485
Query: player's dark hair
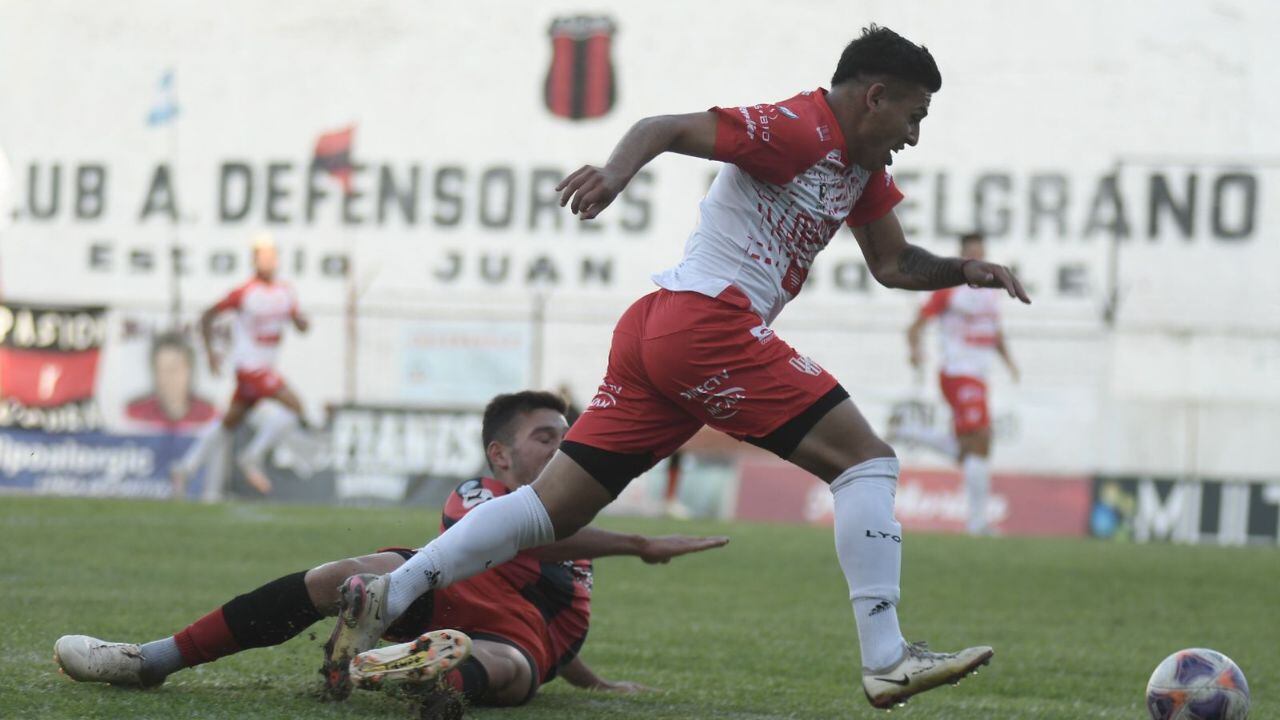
x=501 y=412
x=971 y=237
x=172 y=339
x=881 y=51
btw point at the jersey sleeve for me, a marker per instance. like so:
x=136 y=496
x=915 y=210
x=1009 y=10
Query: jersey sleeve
x=772 y=143
x=461 y=501
x=879 y=197
x=936 y=304
x=231 y=301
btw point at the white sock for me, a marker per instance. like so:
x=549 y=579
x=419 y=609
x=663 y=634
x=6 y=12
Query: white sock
x=268 y=436
x=869 y=545
x=941 y=441
x=489 y=535
x=977 y=484
x=213 y=438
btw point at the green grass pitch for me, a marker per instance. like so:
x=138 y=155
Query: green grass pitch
x=760 y=629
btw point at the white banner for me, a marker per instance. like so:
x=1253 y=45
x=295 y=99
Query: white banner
x=405 y=156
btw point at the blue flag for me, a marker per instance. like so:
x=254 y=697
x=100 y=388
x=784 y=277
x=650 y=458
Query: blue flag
x=165 y=107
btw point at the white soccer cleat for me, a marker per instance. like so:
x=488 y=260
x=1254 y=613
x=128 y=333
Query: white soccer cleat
x=88 y=659
x=362 y=618
x=920 y=670
x=420 y=661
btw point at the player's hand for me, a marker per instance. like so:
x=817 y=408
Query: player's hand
x=215 y=364
x=984 y=274
x=917 y=358
x=662 y=549
x=589 y=190
x=622 y=687
x=301 y=322
x=1013 y=373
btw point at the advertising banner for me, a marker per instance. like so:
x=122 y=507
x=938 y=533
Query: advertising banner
x=402 y=454
x=1221 y=512
x=927 y=500
x=49 y=366
x=460 y=363
x=88 y=464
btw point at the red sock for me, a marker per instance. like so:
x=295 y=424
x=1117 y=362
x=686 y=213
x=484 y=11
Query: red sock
x=673 y=477
x=206 y=640
x=470 y=679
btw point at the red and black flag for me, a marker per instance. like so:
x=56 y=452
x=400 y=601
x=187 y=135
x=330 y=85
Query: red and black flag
x=333 y=155
x=580 y=83
x=49 y=366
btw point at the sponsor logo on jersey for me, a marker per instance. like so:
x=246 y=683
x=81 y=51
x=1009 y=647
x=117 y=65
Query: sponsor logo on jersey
x=606 y=397
x=763 y=334
x=473 y=492
x=806 y=365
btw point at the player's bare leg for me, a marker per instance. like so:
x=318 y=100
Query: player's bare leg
x=273 y=430
x=213 y=439
x=975 y=451
x=862 y=470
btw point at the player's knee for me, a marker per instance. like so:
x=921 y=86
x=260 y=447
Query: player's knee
x=874 y=448
x=511 y=676
x=324 y=580
x=870 y=448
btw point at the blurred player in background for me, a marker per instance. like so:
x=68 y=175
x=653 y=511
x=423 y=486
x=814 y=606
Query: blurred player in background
x=700 y=350
x=263 y=306
x=527 y=619
x=970 y=335
x=172 y=404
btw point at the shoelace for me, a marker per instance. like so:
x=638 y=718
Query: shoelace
x=920 y=650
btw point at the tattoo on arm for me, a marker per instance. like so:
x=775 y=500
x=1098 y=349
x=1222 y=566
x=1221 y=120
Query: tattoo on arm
x=930 y=270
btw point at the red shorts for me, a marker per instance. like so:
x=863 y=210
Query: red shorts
x=254 y=385
x=967 y=397
x=680 y=360
x=485 y=607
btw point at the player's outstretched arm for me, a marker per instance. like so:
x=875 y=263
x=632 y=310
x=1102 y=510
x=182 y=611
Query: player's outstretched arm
x=895 y=263
x=578 y=674
x=590 y=189
x=591 y=542
x=206 y=332
x=913 y=341
x=1003 y=349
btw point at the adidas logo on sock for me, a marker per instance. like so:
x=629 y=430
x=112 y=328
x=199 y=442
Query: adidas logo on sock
x=880 y=607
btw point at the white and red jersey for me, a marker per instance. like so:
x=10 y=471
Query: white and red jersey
x=969 y=327
x=786 y=187
x=262 y=311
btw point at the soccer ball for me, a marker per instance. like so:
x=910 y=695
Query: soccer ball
x=1197 y=684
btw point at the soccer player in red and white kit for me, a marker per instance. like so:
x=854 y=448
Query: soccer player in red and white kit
x=700 y=350
x=263 y=306
x=970 y=334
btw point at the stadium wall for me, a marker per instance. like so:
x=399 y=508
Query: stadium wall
x=438 y=270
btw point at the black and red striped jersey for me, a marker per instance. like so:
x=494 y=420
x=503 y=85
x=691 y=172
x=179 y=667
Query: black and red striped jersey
x=561 y=591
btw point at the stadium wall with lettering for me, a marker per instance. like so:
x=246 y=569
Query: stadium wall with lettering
x=405 y=157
